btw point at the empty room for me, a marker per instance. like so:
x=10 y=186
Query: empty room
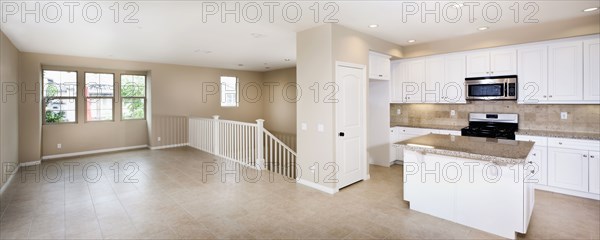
x=300 y=119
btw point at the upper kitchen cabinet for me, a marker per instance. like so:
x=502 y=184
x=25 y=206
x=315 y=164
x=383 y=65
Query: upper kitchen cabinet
x=565 y=76
x=379 y=66
x=453 y=89
x=434 y=79
x=497 y=62
x=408 y=78
x=533 y=74
x=591 y=70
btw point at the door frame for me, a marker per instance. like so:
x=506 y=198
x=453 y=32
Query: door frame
x=363 y=109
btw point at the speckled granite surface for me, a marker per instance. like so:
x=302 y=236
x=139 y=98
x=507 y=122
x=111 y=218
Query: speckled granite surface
x=498 y=151
x=429 y=126
x=557 y=134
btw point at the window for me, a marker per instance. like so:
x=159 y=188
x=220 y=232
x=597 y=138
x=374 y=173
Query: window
x=133 y=97
x=229 y=91
x=99 y=96
x=59 y=96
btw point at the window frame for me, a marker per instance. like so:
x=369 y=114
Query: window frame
x=44 y=122
x=85 y=98
x=223 y=94
x=145 y=96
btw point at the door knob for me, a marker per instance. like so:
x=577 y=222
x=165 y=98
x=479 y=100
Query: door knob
x=341 y=134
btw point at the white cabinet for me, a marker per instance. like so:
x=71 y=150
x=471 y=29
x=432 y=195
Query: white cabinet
x=503 y=62
x=568 y=168
x=379 y=66
x=594 y=172
x=415 y=77
x=434 y=78
x=478 y=64
x=536 y=165
x=533 y=74
x=453 y=88
x=591 y=70
x=497 y=62
x=565 y=76
x=398 y=76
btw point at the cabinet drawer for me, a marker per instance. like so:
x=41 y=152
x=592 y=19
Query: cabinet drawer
x=539 y=141
x=415 y=131
x=574 y=144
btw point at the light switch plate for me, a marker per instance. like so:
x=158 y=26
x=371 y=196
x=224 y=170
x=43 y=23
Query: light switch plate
x=452 y=113
x=398 y=111
x=304 y=126
x=59 y=146
x=320 y=127
x=564 y=115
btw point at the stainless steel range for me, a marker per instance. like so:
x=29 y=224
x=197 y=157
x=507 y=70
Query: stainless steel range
x=492 y=125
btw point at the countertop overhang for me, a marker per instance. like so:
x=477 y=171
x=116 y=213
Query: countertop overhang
x=497 y=151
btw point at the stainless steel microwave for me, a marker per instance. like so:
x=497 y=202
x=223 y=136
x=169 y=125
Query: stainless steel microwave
x=491 y=88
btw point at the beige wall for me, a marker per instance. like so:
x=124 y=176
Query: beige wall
x=524 y=34
x=317 y=50
x=280 y=111
x=9 y=124
x=582 y=118
x=175 y=91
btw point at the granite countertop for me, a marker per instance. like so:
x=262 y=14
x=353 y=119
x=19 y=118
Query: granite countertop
x=429 y=126
x=497 y=151
x=559 y=134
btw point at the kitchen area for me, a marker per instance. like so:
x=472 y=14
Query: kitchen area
x=525 y=116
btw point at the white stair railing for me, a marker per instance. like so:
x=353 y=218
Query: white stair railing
x=246 y=143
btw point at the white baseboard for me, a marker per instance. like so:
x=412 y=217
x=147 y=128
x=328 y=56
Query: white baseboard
x=32 y=163
x=567 y=192
x=12 y=175
x=316 y=186
x=169 y=146
x=92 y=152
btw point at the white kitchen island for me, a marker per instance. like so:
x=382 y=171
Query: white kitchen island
x=478 y=182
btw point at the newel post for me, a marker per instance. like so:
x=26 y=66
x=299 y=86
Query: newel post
x=216 y=134
x=260 y=160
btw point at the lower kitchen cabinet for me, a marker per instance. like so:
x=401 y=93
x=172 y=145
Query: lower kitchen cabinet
x=536 y=167
x=568 y=169
x=594 y=172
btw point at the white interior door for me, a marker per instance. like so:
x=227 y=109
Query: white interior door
x=350 y=123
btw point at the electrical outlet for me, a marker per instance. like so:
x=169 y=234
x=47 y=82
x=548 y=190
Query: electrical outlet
x=452 y=113
x=398 y=111
x=158 y=139
x=304 y=126
x=320 y=127
x=59 y=146
x=564 y=115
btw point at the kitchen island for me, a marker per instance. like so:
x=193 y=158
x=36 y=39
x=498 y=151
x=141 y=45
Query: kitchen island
x=478 y=182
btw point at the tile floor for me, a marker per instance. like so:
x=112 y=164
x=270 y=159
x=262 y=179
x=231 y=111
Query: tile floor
x=173 y=199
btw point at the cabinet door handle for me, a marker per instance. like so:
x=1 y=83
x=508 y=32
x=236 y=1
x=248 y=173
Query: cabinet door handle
x=380 y=75
x=584 y=155
x=532 y=171
x=545 y=96
x=591 y=156
x=550 y=96
x=530 y=162
x=534 y=154
x=559 y=143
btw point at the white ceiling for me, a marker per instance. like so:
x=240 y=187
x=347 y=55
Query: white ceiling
x=174 y=31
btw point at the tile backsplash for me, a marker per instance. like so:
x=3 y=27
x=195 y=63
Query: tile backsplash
x=581 y=118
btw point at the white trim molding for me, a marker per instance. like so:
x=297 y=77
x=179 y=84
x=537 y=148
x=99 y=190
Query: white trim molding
x=14 y=172
x=93 y=152
x=170 y=146
x=316 y=186
x=567 y=192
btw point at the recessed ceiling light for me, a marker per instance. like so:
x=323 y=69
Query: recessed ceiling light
x=373 y=25
x=482 y=28
x=458 y=5
x=412 y=41
x=287 y=60
x=267 y=68
x=590 y=9
x=240 y=65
